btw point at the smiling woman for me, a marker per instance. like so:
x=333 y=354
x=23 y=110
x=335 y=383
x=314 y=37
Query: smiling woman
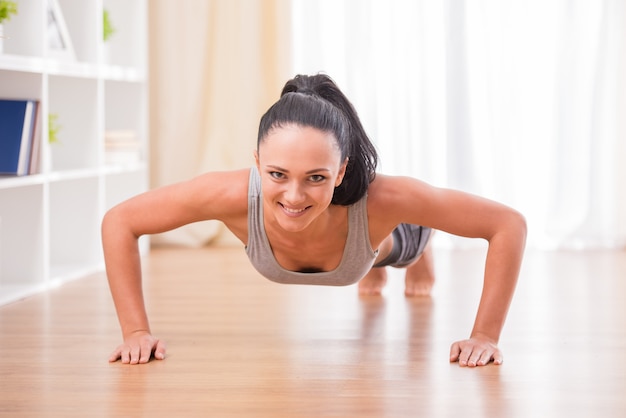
x=313 y=211
x=301 y=168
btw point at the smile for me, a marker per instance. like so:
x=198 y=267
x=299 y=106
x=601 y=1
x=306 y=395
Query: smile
x=292 y=211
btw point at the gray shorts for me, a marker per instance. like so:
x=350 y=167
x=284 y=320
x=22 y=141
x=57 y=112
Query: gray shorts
x=409 y=242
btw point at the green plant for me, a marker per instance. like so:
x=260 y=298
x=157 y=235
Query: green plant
x=7 y=9
x=107 y=27
x=53 y=128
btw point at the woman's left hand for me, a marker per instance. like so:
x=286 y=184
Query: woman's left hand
x=475 y=351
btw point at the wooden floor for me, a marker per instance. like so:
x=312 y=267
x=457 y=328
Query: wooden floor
x=241 y=346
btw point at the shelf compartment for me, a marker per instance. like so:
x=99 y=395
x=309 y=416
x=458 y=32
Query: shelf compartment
x=125 y=128
x=132 y=115
x=75 y=217
x=21 y=240
x=81 y=17
x=127 y=45
x=74 y=101
x=24 y=31
x=23 y=85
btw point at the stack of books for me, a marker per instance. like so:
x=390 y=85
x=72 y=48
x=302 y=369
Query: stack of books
x=122 y=147
x=19 y=146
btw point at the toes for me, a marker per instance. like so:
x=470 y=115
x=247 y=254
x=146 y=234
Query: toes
x=418 y=290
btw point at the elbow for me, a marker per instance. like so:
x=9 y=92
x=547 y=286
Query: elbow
x=114 y=225
x=509 y=232
x=518 y=226
x=110 y=223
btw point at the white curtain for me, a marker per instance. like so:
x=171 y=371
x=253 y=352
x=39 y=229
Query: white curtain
x=521 y=101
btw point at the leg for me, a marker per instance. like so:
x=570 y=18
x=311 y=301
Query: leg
x=420 y=275
x=373 y=282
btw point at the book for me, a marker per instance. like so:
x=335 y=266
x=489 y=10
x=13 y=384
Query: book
x=35 y=149
x=17 y=127
x=122 y=147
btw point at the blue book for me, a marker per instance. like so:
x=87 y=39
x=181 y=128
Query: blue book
x=17 y=125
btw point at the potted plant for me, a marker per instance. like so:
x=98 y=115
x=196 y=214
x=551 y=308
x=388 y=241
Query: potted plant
x=53 y=128
x=107 y=27
x=8 y=8
x=107 y=31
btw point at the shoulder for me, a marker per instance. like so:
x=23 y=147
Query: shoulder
x=214 y=195
x=218 y=194
x=221 y=181
x=394 y=195
x=392 y=200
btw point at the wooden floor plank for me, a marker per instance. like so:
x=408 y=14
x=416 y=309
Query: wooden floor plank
x=242 y=346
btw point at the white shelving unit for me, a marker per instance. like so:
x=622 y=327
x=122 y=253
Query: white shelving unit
x=50 y=221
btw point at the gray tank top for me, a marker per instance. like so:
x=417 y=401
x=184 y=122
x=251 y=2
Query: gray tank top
x=358 y=256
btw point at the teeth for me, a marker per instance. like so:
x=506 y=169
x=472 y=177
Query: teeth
x=293 y=210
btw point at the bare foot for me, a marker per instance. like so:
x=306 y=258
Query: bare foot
x=420 y=276
x=373 y=282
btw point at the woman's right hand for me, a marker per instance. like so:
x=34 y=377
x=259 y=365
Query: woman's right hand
x=138 y=348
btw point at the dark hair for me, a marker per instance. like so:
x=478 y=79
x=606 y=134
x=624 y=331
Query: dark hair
x=316 y=101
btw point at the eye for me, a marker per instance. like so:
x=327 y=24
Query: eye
x=316 y=178
x=276 y=175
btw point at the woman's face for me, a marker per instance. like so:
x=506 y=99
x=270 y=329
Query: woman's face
x=300 y=168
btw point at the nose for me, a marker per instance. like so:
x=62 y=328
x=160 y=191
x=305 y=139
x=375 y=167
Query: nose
x=294 y=194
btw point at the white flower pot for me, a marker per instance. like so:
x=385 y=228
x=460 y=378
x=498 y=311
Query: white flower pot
x=1 y=39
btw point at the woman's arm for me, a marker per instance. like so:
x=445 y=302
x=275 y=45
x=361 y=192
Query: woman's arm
x=458 y=213
x=502 y=266
x=221 y=196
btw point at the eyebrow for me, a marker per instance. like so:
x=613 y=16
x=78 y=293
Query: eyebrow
x=316 y=170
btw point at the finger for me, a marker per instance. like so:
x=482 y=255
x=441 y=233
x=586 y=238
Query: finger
x=455 y=350
x=464 y=356
x=475 y=357
x=146 y=352
x=115 y=355
x=485 y=358
x=134 y=354
x=159 y=352
x=498 y=358
x=125 y=355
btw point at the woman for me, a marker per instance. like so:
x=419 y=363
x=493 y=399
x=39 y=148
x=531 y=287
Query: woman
x=313 y=211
